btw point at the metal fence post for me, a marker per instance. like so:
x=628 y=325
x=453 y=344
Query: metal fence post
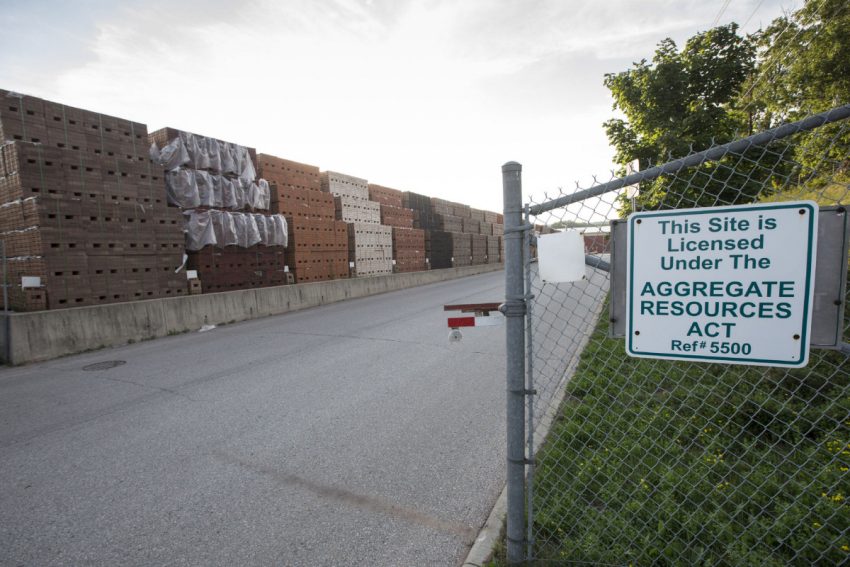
x=514 y=311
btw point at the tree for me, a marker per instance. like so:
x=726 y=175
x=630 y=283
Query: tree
x=803 y=67
x=682 y=102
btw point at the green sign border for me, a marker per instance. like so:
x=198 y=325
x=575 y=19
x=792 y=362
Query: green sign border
x=804 y=338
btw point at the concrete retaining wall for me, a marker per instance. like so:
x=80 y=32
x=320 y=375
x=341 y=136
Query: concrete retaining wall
x=43 y=335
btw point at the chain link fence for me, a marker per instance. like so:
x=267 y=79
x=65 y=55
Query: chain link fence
x=634 y=461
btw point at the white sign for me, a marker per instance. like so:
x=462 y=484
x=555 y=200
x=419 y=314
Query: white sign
x=560 y=256
x=722 y=284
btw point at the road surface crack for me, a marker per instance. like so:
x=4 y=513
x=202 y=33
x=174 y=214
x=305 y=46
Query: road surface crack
x=362 y=501
x=148 y=387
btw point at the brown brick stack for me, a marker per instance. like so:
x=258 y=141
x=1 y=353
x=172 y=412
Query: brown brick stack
x=494 y=249
x=396 y=216
x=597 y=242
x=448 y=249
x=231 y=268
x=319 y=250
x=456 y=234
x=421 y=207
x=81 y=208
x=479 y=248
x=318 y=243
x=409 y=249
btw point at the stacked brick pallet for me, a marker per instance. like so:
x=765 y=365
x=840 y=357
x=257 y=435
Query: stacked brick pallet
x=448 y=249
x=408 y=242
x=478 y=249
x=370 y=244
x=318 y=243
x=456 y=234
x=351 y=198
x=90 y=214
x=82 y=214
x=231 y=239
x=423 y=217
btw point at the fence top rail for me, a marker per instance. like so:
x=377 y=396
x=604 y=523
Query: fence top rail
x=715 y=153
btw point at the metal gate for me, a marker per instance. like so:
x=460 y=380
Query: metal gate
x=624 y=461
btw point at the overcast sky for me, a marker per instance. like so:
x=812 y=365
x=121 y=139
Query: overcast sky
x=431 y=96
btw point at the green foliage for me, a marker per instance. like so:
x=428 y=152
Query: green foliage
x=835 y=191
x=803 y=62
x=683 y=102
x=721 y=87
x=804 y=68
x=657 y=462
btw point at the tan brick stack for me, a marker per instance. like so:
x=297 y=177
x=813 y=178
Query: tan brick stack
x=370 y=244
x=370 y=249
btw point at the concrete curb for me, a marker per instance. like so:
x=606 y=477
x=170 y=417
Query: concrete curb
x=491 y=531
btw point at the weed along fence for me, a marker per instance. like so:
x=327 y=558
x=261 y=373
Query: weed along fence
x=684 y=398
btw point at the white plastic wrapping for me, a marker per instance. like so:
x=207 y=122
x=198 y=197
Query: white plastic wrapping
x=262 y=229
x=228 y=193
x=206 y=189
x=202 y=155
x=241 y=231
x=224 y=228
x=246 y=229
x=181 y=189
x=246 y=166
x=190 y=142
x=218 y=189
x=198 y=152
x=280 y=235
x=173 y=155
x=253 y=197
x=241 y=189
x=252 y=233
x=229 y=162
x=213 y=154
x=198 y=228
x=265 y=194
x=259 y=196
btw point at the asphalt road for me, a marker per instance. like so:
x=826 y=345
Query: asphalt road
x=351 y=434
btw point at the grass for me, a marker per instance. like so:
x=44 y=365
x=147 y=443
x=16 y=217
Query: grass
x=672 y=463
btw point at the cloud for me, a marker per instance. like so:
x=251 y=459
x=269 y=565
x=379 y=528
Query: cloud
x=427 y=95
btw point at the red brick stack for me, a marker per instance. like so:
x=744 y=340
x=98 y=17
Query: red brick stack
x=408 y=242
x=318 y=243
x=81 y=209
